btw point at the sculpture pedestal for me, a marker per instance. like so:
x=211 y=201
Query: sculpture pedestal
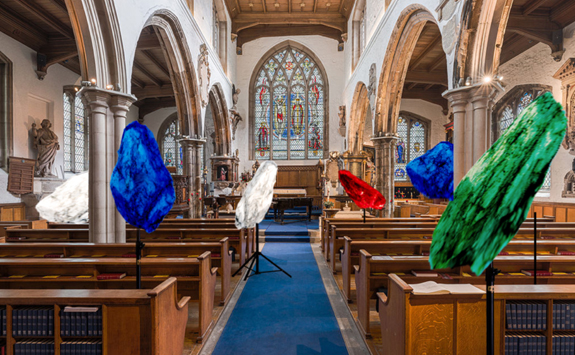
x=43 y=186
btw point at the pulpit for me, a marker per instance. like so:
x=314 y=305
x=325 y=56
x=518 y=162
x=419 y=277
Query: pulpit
x=224 y=170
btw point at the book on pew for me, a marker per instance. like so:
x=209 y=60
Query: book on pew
x=564 y=252
x=111 y=276
x=539 y=272
x=424 y=273
x=433 y=288
x=129 y=255
x=54 y=255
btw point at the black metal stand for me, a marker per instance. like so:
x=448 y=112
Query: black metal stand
x=139 y=248
x=364 y=215
x=490 y=274
x=535 y=248
x=255 y=258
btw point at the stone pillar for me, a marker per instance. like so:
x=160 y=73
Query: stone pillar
x=120 y=105
x=97 y=104
x=482 y=103
x=385 y=166
x=193 y=169
x=458 y=102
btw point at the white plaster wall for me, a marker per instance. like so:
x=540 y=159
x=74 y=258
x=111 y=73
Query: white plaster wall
x=153 y=120
x=432 y=112
x=535 y=66
x=134 y=15
x=333 y=62
x=34 y=100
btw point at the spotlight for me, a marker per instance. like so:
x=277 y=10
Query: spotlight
x=76 y=89
x=468 y=81
x=85 y=83
x=93 y=81
x=110 y=87
x=498 y=78
x=487 y=79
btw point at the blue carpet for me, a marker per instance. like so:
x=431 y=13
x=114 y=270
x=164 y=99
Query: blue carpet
x=279 y=315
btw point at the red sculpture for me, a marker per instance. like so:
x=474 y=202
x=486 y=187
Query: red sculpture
x=360 y=192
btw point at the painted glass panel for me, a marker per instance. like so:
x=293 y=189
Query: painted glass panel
x=416 y=140
x=315 y=122
x=172 y=151
x=297 y=123
x=280 y=123
x=401 y=151
x=262 y=123
x=79 y=134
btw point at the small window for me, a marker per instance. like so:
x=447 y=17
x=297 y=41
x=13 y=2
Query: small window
x=412 y=143
x=76 y=134
x=509 y=108
x=169 y=137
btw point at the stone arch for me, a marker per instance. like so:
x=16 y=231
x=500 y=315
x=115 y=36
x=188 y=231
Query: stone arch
x=481 y=39
x=99 y=42
x=358 y=114
x=217 y=103
x=182 y=72
x=6 y=118
x=394 y=69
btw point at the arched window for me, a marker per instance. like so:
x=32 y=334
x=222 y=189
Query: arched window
x=289 y=107
x=168 y=137
x=413 y=132
x=510 y=106
x=76 y=144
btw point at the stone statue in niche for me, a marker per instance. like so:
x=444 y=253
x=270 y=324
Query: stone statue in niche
x=204 y=74
x=372 y=78
x=235 y=116
x=332 y=168
x=342 y=121
x=46 y=142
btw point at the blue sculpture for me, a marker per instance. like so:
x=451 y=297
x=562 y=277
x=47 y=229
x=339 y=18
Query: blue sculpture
x=432 y=173
x=141 y=185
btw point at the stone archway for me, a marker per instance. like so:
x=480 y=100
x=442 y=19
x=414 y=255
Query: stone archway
x=401 y=46
x=220 y=115
x=358 y=114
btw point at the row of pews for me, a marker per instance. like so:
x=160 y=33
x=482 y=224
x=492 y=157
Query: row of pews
x=196 y=254
x=365 y=257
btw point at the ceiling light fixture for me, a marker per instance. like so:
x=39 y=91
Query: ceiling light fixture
x=302 y=4
x=276 y=4
x=251 y=4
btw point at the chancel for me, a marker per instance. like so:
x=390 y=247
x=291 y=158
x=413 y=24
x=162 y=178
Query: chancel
x=410 y=164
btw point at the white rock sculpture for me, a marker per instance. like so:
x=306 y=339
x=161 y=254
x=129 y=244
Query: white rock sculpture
x=257 y=197
x=68 y=203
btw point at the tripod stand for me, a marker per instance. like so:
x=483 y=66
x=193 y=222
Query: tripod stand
x=255 y=258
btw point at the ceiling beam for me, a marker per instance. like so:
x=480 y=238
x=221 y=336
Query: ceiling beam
x=565 y=7
x=424 y=77
x=153 y=91
x=531 y=6
x=261 y=31
x=21 y=30
x=289 y=6
x=433 y=96
x=60 y=4
x=137 y=82
x=430 y=46
x=437 y=62
x=264 y=6
x=147 y=74
x=47 y=18
x=245 y=20
x=147 y=106
x=148 y=41
x=156 y=62
x=411 y=86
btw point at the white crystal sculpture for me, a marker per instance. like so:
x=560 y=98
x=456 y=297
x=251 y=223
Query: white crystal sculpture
x=68 y=203
x=257 y=197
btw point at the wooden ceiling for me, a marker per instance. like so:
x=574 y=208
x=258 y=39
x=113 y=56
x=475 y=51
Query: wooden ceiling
x=537 y=21
x=252 y=19
x=426 y=77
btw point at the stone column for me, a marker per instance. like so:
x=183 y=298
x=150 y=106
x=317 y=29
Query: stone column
x=120 y=105
x=192 y=169
x=482 y=102
x=458 y=102
x=385 y=166
x=97 y=103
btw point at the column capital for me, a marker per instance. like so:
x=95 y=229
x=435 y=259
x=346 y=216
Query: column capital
x=192 y=142
x=120 y=103
x=386 y=138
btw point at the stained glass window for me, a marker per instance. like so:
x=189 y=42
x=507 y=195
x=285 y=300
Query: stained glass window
x=75 y=133
x=289 y=107
x=412 y=143
x=516 y=102
x=172 y=150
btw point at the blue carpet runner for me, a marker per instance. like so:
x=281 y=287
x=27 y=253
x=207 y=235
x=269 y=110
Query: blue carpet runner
x=289 y=231
x=279 y=315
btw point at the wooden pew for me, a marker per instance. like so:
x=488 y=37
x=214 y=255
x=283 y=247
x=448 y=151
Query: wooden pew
x=350 y=255
x=373 y=272
x=238 y=239
x=161 y=330
x=220 y=254
x=196 y=278
x=39 y=224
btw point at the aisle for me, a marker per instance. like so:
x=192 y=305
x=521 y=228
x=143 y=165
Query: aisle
x=279 y=315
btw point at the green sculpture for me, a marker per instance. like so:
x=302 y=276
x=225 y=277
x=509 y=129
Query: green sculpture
x=493 y=199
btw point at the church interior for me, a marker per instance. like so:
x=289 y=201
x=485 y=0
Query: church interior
x=261 y=177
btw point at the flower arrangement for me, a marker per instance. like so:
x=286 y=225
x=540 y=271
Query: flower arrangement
x=328 y=204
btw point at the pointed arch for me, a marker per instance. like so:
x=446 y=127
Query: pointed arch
x=313 y=86
x=394 y=69
x=358 y=114
x=217 y=103
x=6 y=118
